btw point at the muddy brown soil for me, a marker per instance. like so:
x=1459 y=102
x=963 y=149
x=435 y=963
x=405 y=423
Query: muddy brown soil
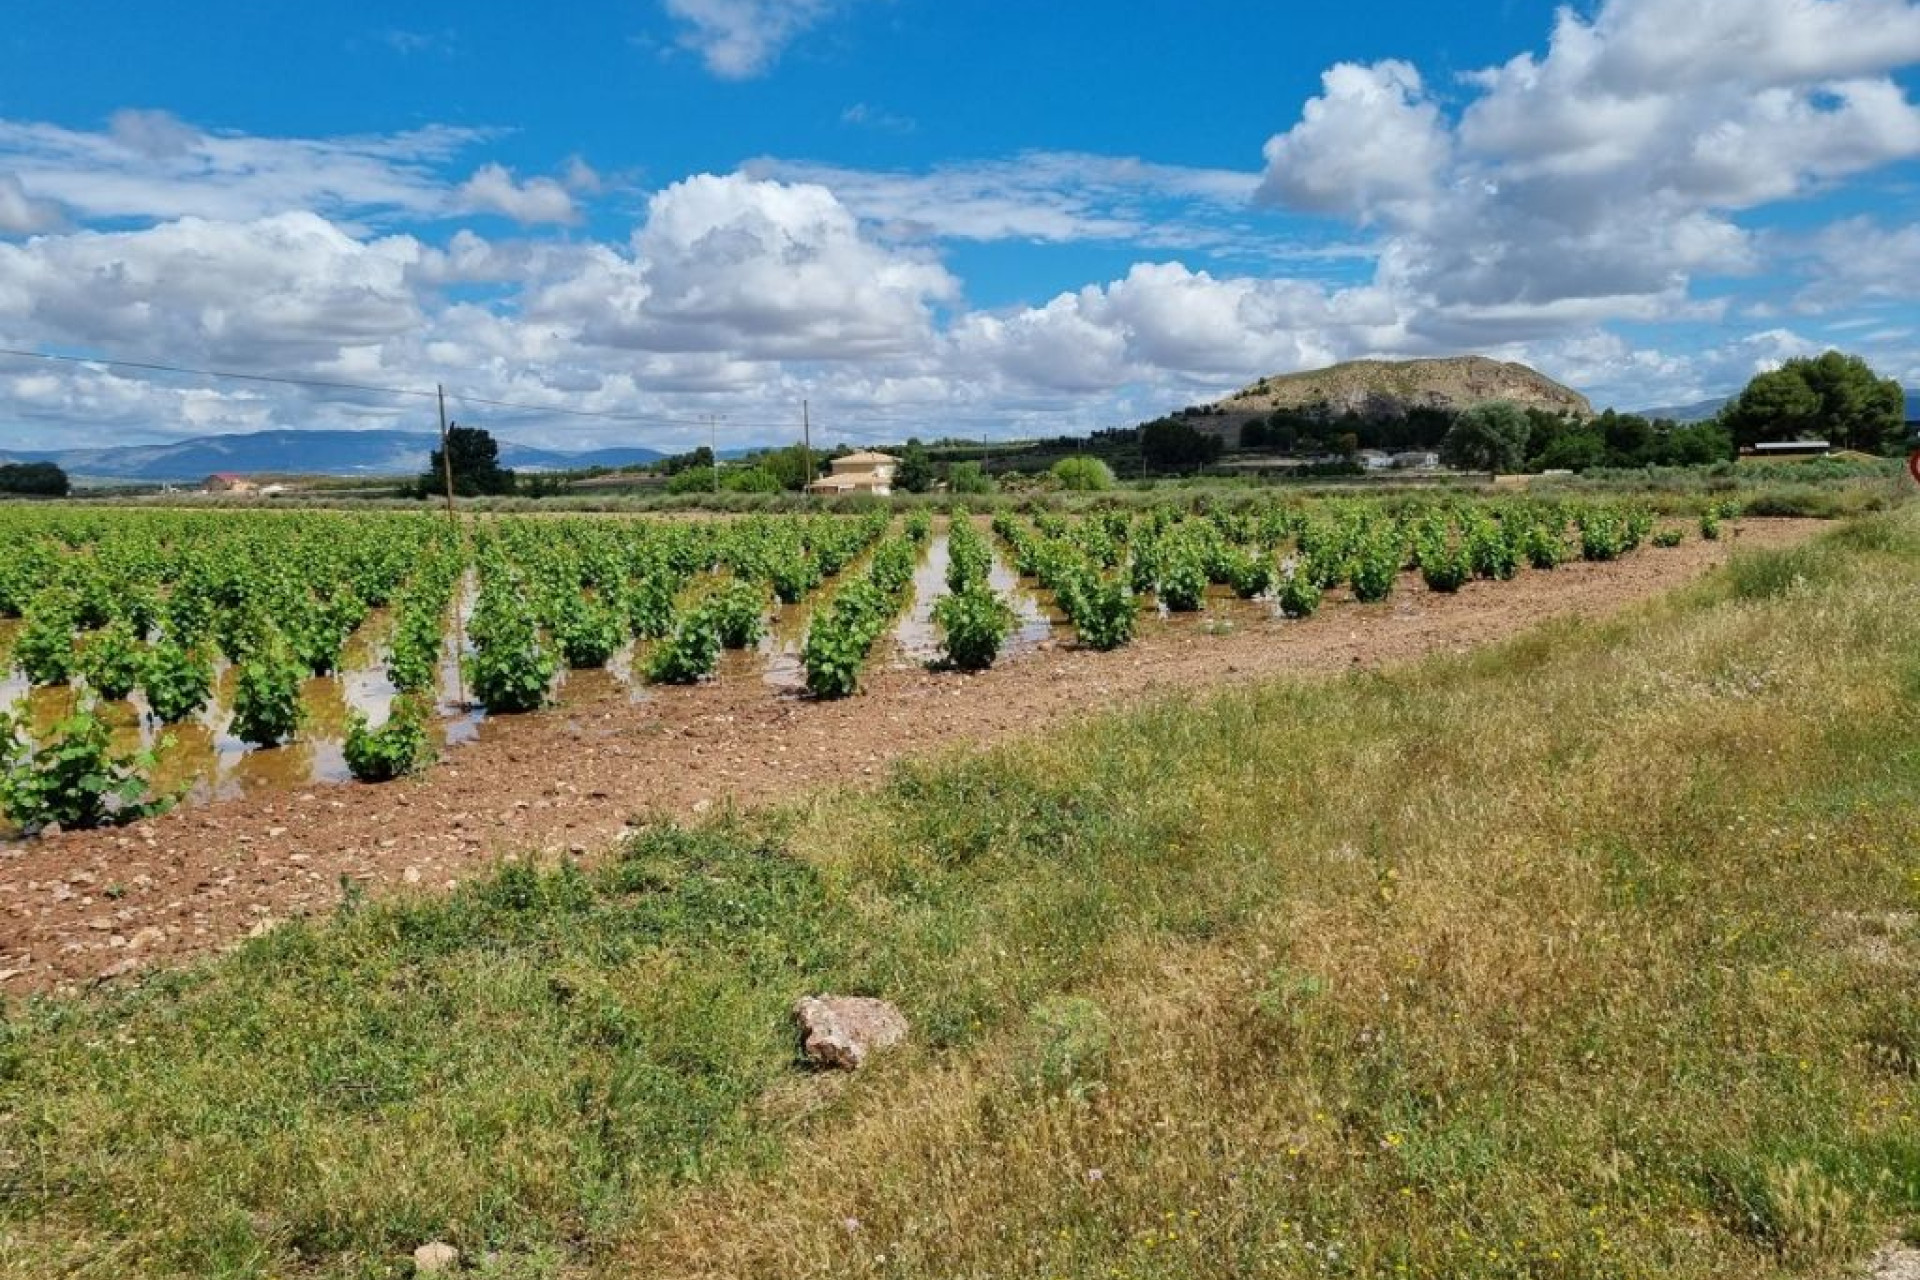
x=84 y=907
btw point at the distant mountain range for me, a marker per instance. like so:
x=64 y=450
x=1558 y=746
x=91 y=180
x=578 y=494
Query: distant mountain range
x=1698 y=411
x=328 y=453
x=1701 y=410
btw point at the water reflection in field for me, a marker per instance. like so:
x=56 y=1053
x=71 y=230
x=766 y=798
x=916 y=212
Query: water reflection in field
x=1035 y=614
x=205 y=760
x=202 y=757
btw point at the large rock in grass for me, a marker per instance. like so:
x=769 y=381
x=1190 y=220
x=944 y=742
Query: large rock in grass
x=435 y=1259
x=840 y=1031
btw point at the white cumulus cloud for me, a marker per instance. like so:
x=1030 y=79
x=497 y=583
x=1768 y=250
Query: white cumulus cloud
x=493 y=189
x=762 y=269
x=1602 y=180
x=23 y=214
x=1372 y=144
x=740 y=39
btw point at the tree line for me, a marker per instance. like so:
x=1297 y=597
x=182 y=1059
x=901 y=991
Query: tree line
x=1833 y=397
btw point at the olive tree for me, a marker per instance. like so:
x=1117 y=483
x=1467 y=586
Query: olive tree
x=1489 y=437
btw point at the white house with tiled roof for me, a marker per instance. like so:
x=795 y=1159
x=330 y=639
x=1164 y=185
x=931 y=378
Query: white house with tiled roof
x=864 y=472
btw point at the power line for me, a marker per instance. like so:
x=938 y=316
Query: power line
x=318 y=383
x=610 y=415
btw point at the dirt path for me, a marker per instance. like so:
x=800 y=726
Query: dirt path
x=90 y=906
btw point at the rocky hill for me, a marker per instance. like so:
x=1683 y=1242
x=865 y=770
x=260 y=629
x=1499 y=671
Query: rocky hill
x=1389 y=388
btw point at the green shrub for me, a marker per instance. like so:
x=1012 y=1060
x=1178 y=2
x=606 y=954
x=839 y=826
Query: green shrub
x=1489 y=549
x=317 y=631
x=690 y=654
x=177 y=681
x=1299 y=594
x=266 y=695
x=1376 y=563
x=739 y=612
x=969 y=556
x=1103 y=612
x=892 y=568
x=842 y=634
x=511 y=670
x=1081 y=474
x=1603 y=533
x=834 y=651
x=413 y=663
x=1638 y=525
x=1668 y=537
x=110 y=660
x=1546 y=545
x=1444 y=562
x=750 y=480
x=793 y=576
x=974 y=623
x=1250 y=574
x=44 y=648
x=71 y=776
x=651 y=609
x=970 y=478
x=1183 y=580
x=401 y=746
x=588 y=632
x=1445 y=568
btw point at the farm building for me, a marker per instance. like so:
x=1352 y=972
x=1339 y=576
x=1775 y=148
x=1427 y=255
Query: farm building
x=864 y=472
x=228 y=482
x=1788 y=449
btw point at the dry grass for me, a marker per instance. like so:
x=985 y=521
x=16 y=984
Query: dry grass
x=1543 y=962
x=1532 y=986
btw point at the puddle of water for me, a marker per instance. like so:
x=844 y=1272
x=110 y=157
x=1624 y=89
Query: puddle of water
x=916 y=637
x=204 y=760
x=1220 y=607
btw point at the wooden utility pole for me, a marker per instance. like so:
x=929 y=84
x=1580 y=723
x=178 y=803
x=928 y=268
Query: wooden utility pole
x=806 y=451
x=713 y=447
x=460 y=533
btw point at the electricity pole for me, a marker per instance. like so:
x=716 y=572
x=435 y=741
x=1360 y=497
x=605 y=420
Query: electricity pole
x=713 y=447
x=460 y=532
x=446 y=454
x=806 y=450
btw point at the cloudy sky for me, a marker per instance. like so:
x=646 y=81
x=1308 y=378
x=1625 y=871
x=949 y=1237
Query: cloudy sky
x=926 y=217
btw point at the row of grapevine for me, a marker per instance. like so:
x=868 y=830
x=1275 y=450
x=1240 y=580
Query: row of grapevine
x=973 y=620
x=165 y=607
x=1101 y=569
x=843 y=632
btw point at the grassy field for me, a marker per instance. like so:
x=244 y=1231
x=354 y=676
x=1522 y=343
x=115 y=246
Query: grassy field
x=1591 y=955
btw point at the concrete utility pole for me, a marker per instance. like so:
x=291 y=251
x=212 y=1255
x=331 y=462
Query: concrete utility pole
x=446 y=454
x=713 y=447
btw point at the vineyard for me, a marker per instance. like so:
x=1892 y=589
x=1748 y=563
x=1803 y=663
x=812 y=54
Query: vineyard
x=158 y=653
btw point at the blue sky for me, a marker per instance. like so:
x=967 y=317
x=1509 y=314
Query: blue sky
x=930 y=217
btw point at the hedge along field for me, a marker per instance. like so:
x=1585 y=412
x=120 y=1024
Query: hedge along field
x=1589 y=955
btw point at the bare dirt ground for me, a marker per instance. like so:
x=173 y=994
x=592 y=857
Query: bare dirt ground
x=83 y=907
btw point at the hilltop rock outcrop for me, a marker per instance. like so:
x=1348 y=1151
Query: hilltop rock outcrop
x=1391 y=388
